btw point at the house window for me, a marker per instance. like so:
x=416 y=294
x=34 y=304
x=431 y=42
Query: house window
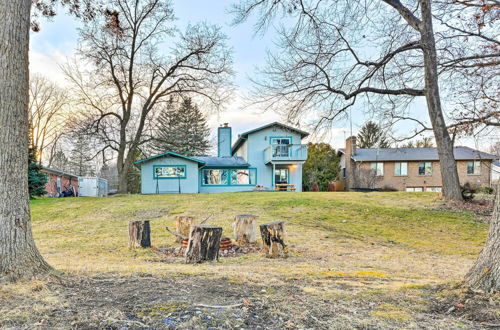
x=243 y=177
x=425 y=168
x=433 y=189
x=226 y=177
x=215 y=177
x=414 y=189
x=343 y=172
x=473 y=167
x=378 y=168
x=169 y=172
x=401 y=169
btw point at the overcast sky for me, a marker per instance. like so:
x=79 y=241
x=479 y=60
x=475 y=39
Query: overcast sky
x=58 y=38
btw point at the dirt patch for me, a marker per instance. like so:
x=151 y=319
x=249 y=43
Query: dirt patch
x=201 y=302
x=482 y=208
x=464 y=303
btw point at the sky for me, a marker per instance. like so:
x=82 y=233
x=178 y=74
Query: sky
x=57 y=40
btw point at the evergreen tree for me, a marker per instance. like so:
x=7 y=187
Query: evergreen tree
x=183 y=130
x=79 y=157
x=371 y=135
x=36 y=179
x=322 y=166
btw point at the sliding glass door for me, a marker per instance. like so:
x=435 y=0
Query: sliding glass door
x=281 y=176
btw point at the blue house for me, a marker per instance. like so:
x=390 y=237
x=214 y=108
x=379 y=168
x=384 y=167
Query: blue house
x=267 y=157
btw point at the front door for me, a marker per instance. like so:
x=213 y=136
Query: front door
x=281 y=176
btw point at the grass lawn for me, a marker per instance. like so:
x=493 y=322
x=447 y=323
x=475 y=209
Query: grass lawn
x=378 y=260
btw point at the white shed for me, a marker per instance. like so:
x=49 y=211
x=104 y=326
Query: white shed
x=92 y=187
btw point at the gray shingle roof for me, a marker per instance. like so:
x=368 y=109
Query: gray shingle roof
x=415 y=154
x=234 y=161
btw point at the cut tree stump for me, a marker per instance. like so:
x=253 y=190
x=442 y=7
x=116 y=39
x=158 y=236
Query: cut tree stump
x=203 y=245
x=273 y=239
x=139 y=234
x=182 y=225
x=245 y=228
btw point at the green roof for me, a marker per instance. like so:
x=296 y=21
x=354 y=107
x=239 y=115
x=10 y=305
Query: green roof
x=169 y=153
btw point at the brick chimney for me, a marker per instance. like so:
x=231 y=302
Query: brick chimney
x=350 y=145
x=350 y=166
x=224 y=141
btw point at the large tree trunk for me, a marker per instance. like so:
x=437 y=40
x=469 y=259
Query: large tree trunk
x=122 y=179
x=19 y=257
x=485 y=274
x=449 y=173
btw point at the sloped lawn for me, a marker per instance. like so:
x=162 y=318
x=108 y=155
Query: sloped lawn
x=378 y=260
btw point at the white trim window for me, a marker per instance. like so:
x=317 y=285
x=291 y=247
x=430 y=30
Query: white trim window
x=378 y=167
x=414 y=189
x=473 y=167
x=401 y=169
x=425 y=169
x=433 y=189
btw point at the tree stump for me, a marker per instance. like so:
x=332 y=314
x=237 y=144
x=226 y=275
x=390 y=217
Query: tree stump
x=245 y=228
x=139 y=234
x=203 y=245
x=273 y=239
x=182 y=225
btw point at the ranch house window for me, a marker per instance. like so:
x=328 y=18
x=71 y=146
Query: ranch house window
x=243 y=177
x=215 y=177
x=473 y=167
x=229 y=177
x=170 y=172
x=425 y=168
x=401 y=169
x=378 y=168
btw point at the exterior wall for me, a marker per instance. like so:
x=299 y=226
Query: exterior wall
x=257 y=143
x=221 y=189
x=243 y=150
x=224 y=141
x=187 y=185
x=51 y=185
x=295 y=171
x=434 y=180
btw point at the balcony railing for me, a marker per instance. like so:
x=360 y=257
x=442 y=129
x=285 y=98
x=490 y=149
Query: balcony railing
x=285 y=152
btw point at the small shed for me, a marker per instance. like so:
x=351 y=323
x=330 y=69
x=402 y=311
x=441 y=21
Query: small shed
x=93 y=187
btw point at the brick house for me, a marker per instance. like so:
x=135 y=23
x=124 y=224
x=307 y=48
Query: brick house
x=410 y=169
x=59 y=181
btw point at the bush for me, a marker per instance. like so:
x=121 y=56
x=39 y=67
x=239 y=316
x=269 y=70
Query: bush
x=388 y=187
x=485 y=190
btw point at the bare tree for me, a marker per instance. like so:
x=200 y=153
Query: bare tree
x=485 y=274
x=383 y=53
x=19 y=257
x=129 y=76
x=47 y=104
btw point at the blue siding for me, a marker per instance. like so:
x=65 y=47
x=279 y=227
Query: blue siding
x=253 y=150
x=224 y=142
x=257 y=143
x=187 y=185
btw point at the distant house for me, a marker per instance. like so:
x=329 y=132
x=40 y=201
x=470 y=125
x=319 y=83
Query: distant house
x=410 y=169
x=267 y=157
x=59 y=181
